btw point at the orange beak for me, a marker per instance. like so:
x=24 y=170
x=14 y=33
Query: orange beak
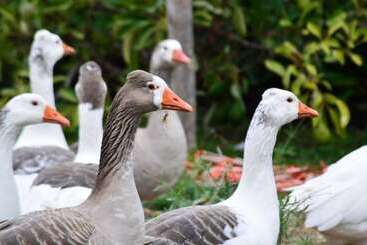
x=180 y=57
x=305 y=111
x=68 y=50
x=172 y=102
x=50 y=115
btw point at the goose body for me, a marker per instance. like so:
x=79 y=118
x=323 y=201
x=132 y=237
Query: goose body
x=68 y=184
x=334 y=203
x=111 y=214
x=160 y=150
x=42 y=145
x=58 y=186
x=251 y=214
x=22 y=110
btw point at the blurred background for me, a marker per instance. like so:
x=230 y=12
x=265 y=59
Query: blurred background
x=315 y=48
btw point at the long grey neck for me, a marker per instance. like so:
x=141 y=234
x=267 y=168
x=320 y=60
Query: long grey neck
x=114 y=203
x=257 y=185
x=90 y=134
x=41 y=79
x=9 y=202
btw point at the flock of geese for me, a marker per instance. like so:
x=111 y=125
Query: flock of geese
x=52 y=195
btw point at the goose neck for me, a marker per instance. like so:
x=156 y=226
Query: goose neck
x=9 y=203
x=41 y=79
x=257 y=187
x=90 y=134
x=161 y=70
x=114 y=203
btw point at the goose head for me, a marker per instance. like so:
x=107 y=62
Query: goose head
x=169 y=53
x=147 y=92
x=49 y=47
x=91 y=87
x=26 y=109
x=279 y=107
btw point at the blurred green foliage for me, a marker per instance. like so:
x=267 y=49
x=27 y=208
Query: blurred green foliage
x=312 y=47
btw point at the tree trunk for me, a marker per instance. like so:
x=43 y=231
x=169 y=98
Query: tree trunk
x=180 y=27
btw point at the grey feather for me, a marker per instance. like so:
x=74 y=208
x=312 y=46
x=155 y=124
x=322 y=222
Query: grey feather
x=204 y=225
x=69 y=174
x=91 y=88
x=27 y=160
x=66 y=226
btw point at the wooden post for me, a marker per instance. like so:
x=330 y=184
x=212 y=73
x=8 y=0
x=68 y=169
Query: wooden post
x=180 y=27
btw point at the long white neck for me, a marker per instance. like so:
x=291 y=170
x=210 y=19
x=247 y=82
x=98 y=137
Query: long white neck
x=9 y=201
x=90 y=134
x=41 y=78
x=257 y=189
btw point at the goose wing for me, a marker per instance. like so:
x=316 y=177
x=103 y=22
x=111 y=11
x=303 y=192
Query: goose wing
x=193 y=225
x=337 y=196
x=27 y=160
x=68 y=175
x=63 y=226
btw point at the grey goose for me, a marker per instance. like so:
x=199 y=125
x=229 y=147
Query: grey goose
x=111 y=214
x=157 y=162
x=160 y=151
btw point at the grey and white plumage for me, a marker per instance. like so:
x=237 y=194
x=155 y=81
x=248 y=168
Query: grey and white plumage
x=160 y=151
x=69 y=183
x=28 y=160
x=69 y=174
x=204 y=225
x=111 y=214
x=251 y=214
x=39 y=146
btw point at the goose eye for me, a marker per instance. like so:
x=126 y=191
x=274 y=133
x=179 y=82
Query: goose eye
x=165 y=48
x=151 y=86
x=35 y=103
x=290 y=100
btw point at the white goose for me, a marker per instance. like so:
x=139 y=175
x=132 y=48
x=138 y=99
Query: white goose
x=251 y=214
x=22 y=110
x=161 y=149
x=70 y=183
x=42 y=145
x=335 y=202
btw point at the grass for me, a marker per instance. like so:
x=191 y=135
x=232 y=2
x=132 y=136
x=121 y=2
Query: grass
x=295 y=146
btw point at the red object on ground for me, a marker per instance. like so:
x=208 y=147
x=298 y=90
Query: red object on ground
x=230 y=169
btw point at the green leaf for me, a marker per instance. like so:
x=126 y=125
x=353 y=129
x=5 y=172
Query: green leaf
x=311 y=69
x=236 y=93
x=339 y=56
x=335 y=119
x=127 y=46
x=356 y=58
x=344 y=113
x=275 y=67
x=291 y=70
x=314 y=29
x=287 y=49
x=239 y=20
x=321 y=130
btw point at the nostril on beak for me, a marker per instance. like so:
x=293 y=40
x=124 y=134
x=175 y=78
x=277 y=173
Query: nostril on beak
x=175 y=99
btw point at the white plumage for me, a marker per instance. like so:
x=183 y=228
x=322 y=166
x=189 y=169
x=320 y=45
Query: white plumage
x=335 y=202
